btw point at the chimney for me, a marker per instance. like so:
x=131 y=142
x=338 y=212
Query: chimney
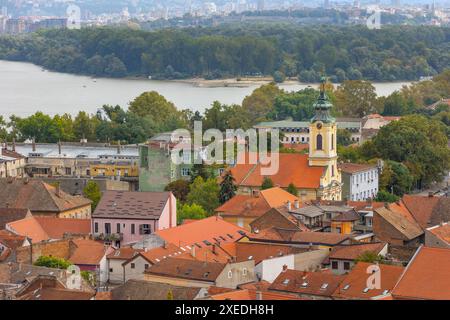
x=193 y=251
x=58 y=190
x=297 y=204
x=166 y=245
x=431 y=194
x=288 y=205
x=259 y=295
x=33 y=145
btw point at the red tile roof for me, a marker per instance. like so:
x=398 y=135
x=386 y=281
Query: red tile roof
x=420 y=207
x=256 y=206
x=355 y=283
x=213 y=229
x=355 y=167
x=352 y=252
x=131 y=205
x=301 y=237
x=156 y=255
x=89 y=252
x=442 y=232
x=244 y=251
x=11 y=240
x=293 y=168
x=247 y=294
x=307 y=283
x=46 y=228
x=426 y=276
x=12 y=214
x=37 y=196
x=124 y=253
x=187 y=269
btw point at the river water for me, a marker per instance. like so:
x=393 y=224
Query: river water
x=26 y=88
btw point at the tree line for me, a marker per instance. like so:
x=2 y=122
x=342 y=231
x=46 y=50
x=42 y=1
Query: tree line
x=344 y=53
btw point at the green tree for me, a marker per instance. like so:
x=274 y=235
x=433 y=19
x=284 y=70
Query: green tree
x=369 y=257
x=52 y=262
x=191 y=212
x=386 y=196
x=179 y=188
x=279 y=77
x=418 y=143
x=261 y=102
x=227 y=187
x=93 y=193
x=267 y=183
x=356 y=98
x=205 y=194
x=344 y=137
x=292 y=189
x=395 y=105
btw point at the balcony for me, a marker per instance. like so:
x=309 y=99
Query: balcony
x=109 y=237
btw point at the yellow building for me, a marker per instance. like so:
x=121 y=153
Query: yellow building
x=315 y=175
x=125 y=169
x=344 y=222
x=323 y=147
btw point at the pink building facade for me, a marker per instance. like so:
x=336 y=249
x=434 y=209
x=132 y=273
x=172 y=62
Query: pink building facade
x=129 y=227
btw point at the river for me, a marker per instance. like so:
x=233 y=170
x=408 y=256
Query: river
x=26 y=88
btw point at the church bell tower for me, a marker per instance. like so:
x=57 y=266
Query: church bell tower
x=323 y=147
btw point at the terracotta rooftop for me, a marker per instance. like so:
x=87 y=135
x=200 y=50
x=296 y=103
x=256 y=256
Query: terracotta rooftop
x=346 y=216
x=354 y=285
x=89 y=252
x=244 y=251
x=426 y=276
x=131 y=205
x=11 y=240
x=365 y=205
x=202 y=232
x=353 y=251
x=440 y=231
x=46 y=228
x=409 y=229
x=11 y=214
x=299 y=237
x=355 y=167
x=187 y=269
x=50 y=288
x=307 y=283
x=248 y=294
x=124 y=253
x=423 y=208
x=156 y=255
x=37 y=196
x=255 y=206
x=294 y=168
x=147 y=290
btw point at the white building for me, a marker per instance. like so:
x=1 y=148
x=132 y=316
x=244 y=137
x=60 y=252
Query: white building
x=361 y=181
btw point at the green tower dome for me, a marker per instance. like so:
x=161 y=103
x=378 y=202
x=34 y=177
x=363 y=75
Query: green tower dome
x=323 y=105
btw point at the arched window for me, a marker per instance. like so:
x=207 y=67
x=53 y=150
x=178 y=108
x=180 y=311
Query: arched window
x=319 y=142
x=332 y=142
